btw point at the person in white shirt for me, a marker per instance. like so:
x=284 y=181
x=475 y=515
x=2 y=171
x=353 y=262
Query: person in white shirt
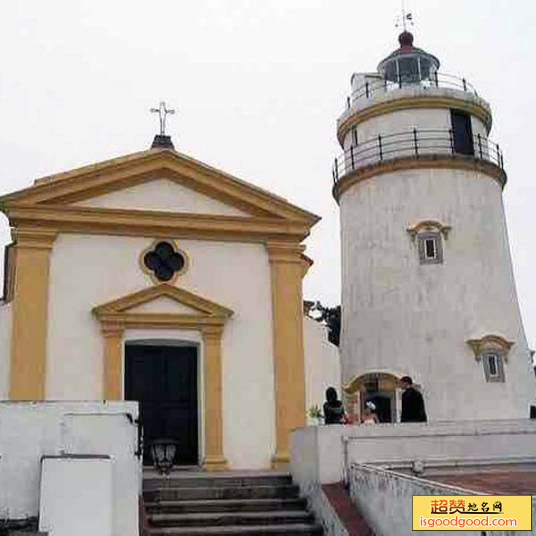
x=369 y=415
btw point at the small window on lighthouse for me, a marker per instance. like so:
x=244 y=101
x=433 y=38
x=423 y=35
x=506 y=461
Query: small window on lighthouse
x=493 y=367
x=354 y=137
x=430 y=248
x=492 y=364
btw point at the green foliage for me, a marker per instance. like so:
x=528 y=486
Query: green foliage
x=329 y=316
x=315 y=413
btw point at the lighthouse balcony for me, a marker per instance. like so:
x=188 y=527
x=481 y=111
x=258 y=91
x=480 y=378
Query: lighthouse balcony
x=417 y=147
x=374 y=94
x=367 y=86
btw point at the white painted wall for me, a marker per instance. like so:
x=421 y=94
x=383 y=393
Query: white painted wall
x=30 y=430
x=385 y=500
x=86 y=271
x=403 y=317
x=162 y=194
x=463 y=442
x=319 y=454
x=115 y=436
x=397 y=118
x=5 y=349
x=322 y=364
x=404 y=121
x=76 y=496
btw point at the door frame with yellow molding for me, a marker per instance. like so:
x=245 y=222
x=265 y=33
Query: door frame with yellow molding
x=209 y=319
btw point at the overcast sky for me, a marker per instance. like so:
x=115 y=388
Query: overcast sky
x=258 y=86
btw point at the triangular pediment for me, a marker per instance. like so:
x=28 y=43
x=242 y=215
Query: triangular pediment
x=100 y=186
x=164 y=305
x=146 y=302
x=163 y=195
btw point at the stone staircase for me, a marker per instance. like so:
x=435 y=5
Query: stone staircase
x=240 y=503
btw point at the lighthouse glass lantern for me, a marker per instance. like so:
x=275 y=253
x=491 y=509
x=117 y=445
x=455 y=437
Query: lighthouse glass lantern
x=408 y=64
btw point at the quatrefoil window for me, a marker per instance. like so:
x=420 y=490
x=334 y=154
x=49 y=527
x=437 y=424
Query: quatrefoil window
x=163 y=261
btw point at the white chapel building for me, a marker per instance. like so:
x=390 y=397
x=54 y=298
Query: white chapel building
x=157 y=278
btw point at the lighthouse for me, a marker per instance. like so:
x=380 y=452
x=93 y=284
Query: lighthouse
x=427 y=283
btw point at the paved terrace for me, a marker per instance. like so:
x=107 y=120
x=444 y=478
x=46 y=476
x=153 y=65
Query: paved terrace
x=494 y=480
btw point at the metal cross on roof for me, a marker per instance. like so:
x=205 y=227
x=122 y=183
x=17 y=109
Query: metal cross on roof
x=404 y=19
x=162 y=111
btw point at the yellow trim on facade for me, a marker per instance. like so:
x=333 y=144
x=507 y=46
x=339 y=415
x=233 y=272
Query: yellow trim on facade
x=120 y=173
x=122 y=305
x=113 y=353
x=176 y=249
x=490 y=342
x=287 y=265
x=115 y=318
x=307 y=262
x=151 y=224
x=429 y=225
x=214 y=459
x=354 y=393
x=9 y=275
x=415 y=102
x=386 y=380
x=438 y=161
x=30 y=313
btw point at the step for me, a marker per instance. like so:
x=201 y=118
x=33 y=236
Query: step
x=220 y=519
x=253 y=530
x=251 y=492
x=215 y=481
x=225 y=505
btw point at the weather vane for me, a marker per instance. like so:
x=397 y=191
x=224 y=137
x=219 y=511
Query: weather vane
x=405 y=19
x=162 y=111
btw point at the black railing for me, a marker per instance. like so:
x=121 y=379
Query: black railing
x=373 y=87
x=139 y=445
x=415 y=143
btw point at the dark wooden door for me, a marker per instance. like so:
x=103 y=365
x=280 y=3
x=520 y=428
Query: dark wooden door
x=163 y=379
x=462 y=132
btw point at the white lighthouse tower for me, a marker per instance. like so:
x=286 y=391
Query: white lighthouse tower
x=427 y=283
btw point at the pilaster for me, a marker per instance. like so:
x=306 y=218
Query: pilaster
x=214 y=459
x=287 y=268
x=30 y=308
x=112 y=368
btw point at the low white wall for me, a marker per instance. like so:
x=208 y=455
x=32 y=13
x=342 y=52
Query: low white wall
x=385 y=500
x=31 y=430
x=445 y=442
x=76 y=496
x=311 y=465
x=319 y=454
x=5 y=349
x=322 y=364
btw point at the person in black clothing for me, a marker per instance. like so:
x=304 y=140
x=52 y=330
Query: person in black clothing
x=412 y=402
x=333 y=408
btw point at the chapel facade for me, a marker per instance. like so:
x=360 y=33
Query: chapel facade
x=157 y=278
